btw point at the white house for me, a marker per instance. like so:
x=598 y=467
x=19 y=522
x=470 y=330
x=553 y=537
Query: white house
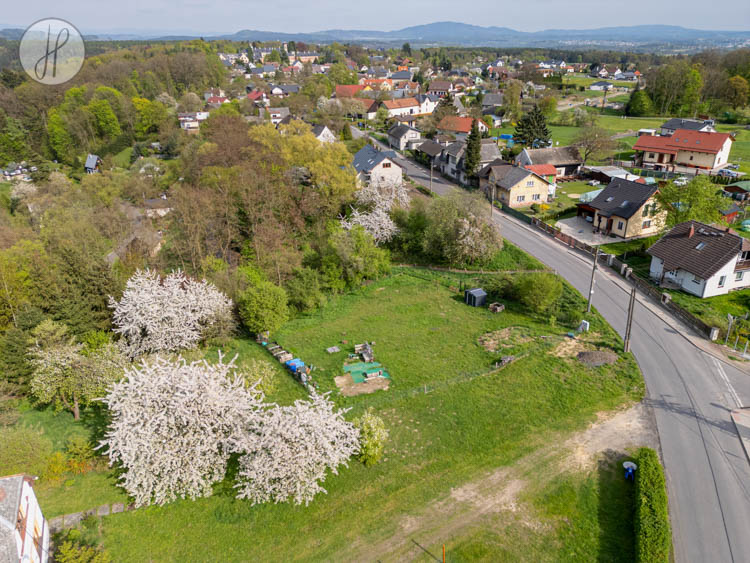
x=402 y=106
x=402 y=136
x=24 y=532
x=378 y=167
x=427 y=103
x=694 y=149
x=601 y=86
x=324 y=134
x=669 y=127
x=701 y=259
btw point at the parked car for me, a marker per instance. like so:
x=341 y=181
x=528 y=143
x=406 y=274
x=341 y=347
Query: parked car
x=728 y=173
x=733 y=166
x=680 y=181
x=593 y=182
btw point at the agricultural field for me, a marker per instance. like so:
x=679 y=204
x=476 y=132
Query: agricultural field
x=456 y=422
x=584 y=80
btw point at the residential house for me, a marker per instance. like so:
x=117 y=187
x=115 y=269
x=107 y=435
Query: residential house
x=258 y=97
x=284 y=90
x=731 y=213
x=671 y=126
x=213 y=93
x=379 y=84
x=601 y=86
x=567 y=160
x=701 y=259
x=440 y=88
x=546 y=171
x=24 y=532
x=452 y=159
x=406 y=89
x=604 y=174
x=324 y=134
x=93 y=164
x=373 y=166
x=460 y=127
x=217 y=101
x=364 y=108
x=692 y=149
x=401 y=76
x=157 y=207
x=348 y=90
x=492 y=100
x=402 y=136
x=427 y=103
x=429 y=151
x=513 y=185
x=401 y=106
x=275 y=115
x=625 y=209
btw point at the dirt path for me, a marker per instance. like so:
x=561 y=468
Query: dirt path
x=497 y=493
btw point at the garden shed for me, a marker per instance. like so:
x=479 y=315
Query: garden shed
x=475 y=297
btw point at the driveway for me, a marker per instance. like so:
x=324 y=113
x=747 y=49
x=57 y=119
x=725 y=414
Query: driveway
x=580 y=229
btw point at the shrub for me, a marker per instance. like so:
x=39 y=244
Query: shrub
x=499 y=286
x=652 y=534
x=70 y=552
x=372 y=437
x=539 y=291
x=80 y=454
x=23 y=450
x=57 y=467
x=263 y=306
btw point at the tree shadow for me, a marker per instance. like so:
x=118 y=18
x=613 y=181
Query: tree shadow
x=616 y=511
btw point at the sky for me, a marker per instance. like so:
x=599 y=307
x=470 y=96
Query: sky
x=228 y=16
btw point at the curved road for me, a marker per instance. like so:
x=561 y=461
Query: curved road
x=691 y=393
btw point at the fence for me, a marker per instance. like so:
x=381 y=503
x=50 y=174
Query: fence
x=641 y=284
x=59 y=523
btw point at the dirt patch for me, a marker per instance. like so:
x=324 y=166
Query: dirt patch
x=505 y=338
x=574 y=196
x=612 y=432
x=596 y=358
x=570 y=348
x=348 y=388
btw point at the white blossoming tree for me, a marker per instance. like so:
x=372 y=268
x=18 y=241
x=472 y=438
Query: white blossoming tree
x=378 y=199
x=167 y=314
x=288 y=454
x=174 y=426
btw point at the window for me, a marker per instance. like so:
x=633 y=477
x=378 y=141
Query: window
x=738 y=276
x=386 y=165
x=529 y=183
x=722 y=281
x=701 y=246
x=536 y=197
x=651 y=155
x=521 y=198
x=696 y=279
x=647 y=224
x=691 y=157
x=620 y=225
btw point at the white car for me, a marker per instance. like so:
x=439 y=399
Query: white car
x=593 y=182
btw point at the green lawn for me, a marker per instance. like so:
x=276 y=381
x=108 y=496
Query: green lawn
x=583 y=80
x=741 y=147
x=122 y=158
x=713 y=310
x=427 y=339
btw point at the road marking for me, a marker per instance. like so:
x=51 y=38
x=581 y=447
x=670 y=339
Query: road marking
x=723 y=375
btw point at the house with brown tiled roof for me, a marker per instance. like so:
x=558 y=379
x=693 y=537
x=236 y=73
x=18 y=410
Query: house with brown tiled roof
x=701 y=259
x=458 y=126
x=440 y=88
x=348 y=90
x=401 y=106
x=693 y=149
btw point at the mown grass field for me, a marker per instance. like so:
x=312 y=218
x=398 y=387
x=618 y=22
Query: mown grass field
x=427 y=339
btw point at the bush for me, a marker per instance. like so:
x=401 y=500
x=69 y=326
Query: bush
x=304 y=290
x=538 y=292
x=23 y=450
x=57 y=467
x=263 y=306
x=70 y=552
x=499 y=286
x=372 y=437
x=80 y=454
x=653 y=539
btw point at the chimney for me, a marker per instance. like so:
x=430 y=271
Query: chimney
x=691 y=232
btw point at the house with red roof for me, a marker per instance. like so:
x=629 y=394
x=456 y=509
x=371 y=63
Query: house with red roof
x=401 y=106
x=693 y=149
x=459 y=127
x=348 y=90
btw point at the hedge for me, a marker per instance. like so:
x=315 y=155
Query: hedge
x=653 y=538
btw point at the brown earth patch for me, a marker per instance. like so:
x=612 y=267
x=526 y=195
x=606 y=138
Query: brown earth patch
x=348 y=388
x=570 y=347
x=596 y=358
x=505 y=338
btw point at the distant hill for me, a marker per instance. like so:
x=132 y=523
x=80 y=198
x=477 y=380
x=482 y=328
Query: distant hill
x=455 y=33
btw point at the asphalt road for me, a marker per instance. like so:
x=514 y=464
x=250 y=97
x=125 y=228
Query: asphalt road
x=690 y=391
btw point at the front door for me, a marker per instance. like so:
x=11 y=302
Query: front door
x=609 y=225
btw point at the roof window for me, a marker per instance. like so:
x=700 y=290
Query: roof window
x=701 y=246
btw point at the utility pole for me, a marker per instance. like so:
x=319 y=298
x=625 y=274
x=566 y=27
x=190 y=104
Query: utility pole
x=591 y=286
x=730 y=318
x=432 y=162
x=629 y=323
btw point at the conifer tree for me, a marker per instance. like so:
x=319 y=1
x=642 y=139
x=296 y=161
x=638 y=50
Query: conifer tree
x=532 y=129
x=473 y=148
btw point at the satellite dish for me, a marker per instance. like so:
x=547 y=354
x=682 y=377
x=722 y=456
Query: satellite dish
x=630 y=465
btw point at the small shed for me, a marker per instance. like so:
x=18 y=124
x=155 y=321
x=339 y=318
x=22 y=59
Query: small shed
x=475 y=297
x=93 y=162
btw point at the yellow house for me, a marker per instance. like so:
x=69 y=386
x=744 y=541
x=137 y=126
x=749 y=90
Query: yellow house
x=625 y=209
x=513 y=185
